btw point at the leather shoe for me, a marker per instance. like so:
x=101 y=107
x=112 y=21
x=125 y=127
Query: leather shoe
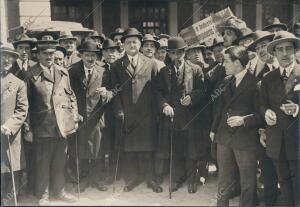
x=131 y=185
x=66 y=198
x=154 y=186
x=192 y=188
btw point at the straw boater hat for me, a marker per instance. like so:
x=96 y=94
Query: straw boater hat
x=131 y=32
x=109 y=44
x=23 y=38
x=89 y=46
x=260 y=36
x=149 y=37
x=283 y=36
x=176 y=43
x=7 y=48
x=66 y=35
x=276 y=23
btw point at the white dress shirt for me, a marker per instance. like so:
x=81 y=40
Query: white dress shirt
x=87 y=70
x=133 y=59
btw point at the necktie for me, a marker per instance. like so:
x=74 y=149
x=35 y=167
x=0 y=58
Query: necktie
x=89 y=74
x=24 y=65
x=132 y=64
x=284 y=76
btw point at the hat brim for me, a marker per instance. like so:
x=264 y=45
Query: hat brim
x=157 y=44
x=98 y=37
x=216 y=45
x=47 y=42
x=84 y=50
x=236 y=42
x=112 y=35
x=53 y=34
x=133 y=35
x=30 y=42
x=12 y=53
x=184 y=47
x=112 y=47
x=267 y=28
x=252 y=46
x=196 y=47
x=272 y=44
x=67 y=38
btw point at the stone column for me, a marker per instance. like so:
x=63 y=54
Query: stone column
x=172 y=18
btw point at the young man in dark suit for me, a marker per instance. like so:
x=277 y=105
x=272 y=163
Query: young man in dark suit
x=280 y=108
x=235 y=128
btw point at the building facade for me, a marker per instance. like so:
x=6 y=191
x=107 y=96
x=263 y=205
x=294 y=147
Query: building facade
x=159 y=16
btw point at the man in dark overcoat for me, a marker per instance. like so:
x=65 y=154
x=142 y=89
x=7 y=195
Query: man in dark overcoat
x=180 y=90
x=134 y=75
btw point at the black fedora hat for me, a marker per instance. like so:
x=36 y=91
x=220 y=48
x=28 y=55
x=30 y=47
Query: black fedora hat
x=23 y=38
x=176 y=43
x=109 y=44
x=118 y=31
x=283 y=36
x=62 y=49
x=89 y=46
x=131 y=32
x=276 y=23
x=217 y=41
x=96 y=35
x=260 y=36
x=246 y=33
x=149 y=37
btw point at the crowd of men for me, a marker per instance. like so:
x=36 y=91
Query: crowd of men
x=146 y=108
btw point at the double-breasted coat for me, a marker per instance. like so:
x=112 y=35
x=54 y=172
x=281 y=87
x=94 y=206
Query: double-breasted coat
x=136 y=100
x=95 y=131
x=53 y=107
x=169 y=90
x=14 y=108
x=273 y=94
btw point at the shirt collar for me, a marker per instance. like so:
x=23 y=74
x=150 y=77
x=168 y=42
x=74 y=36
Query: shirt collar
x=288 y=69
x=45 y=68
x=135 y=57
x=86 y=70
x=239 y=76
x=274 y=65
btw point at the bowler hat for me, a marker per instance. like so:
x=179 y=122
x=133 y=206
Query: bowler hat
x=276 y=23
x=66 y=35
x=8 y=49
x=23 y=38
x=108 y=44
x=176 y=43
x=89 y=46
x=149 y=37
x=283 y=36
x=118 y=31
x=96 y=35
x=246 y=33
x=260 y=36
x=131 y=32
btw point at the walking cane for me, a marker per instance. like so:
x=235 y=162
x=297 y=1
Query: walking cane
x=118 y=156
x=12 y=172
x=171 y=156
x=77 y=165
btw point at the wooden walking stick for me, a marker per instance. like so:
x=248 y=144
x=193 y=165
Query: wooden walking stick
x=77 y=165
x=12 y=171
x=171 y=156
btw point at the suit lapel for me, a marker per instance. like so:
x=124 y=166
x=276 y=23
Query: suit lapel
x=140 y=64
x=127 y=66
x=57 y=76
x=95 y=74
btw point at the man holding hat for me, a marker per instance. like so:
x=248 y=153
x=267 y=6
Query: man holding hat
x=135 y=107
x=149 y=48
x=23 y=45
x=180 y=89
x=90 y=82
x=280 y=109
x=53 y=116
x=14 y=108
x=68 y=41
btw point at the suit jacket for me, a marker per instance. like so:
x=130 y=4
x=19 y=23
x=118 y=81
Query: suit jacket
x=136 y=100
x=95 y=132
x=242 y=102
x=53 y=107
x=273 y=94
x=14 y=108
x=17 y=71
x=169 y=90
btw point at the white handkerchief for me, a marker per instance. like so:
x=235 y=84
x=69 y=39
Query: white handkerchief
x=297 y=87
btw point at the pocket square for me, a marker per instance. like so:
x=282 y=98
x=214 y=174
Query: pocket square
x=297 y=87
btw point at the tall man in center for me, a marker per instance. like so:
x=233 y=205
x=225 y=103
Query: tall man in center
x=134 y=75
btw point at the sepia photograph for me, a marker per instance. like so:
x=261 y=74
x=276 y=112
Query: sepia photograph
x=150 y=103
